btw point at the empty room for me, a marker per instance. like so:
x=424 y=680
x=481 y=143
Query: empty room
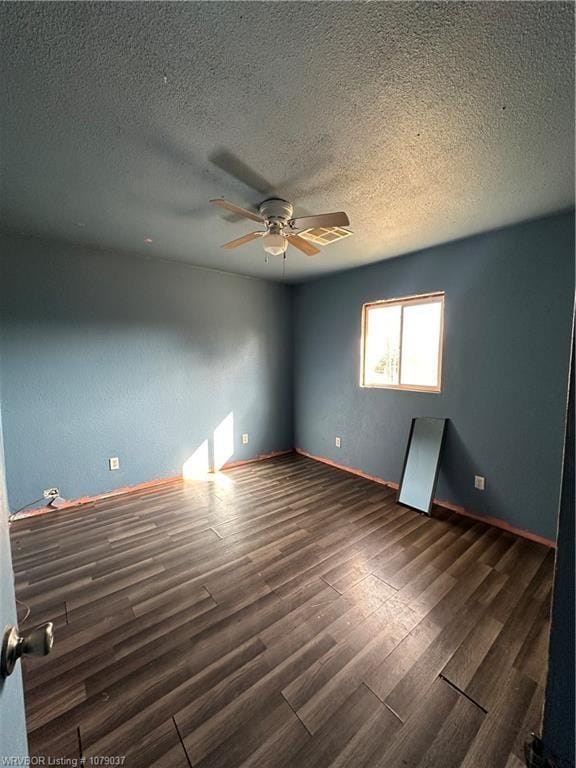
x=286 y=384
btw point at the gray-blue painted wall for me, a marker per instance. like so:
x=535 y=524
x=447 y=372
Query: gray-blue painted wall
x=109 y=355
x=509 y=296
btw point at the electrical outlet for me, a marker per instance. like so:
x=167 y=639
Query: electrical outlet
x=245 y=438
x=50 y=493
x=479 y=482
x=338 y=442
x=113 y=463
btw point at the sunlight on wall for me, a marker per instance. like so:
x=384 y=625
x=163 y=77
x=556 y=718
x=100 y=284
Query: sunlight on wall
x=212 y=455
x=223 y=441
x=198 y=465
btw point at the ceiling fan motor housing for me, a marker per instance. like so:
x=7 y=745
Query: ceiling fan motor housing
x=277 y=212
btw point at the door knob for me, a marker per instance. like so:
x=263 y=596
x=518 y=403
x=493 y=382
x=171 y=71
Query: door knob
x=37 y=642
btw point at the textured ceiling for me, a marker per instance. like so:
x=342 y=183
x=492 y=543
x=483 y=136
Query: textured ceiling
x=425 y=122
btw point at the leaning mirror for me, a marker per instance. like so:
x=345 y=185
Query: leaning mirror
x=421 y=463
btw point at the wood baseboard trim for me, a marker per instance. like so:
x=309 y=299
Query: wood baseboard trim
x=128 y=489
x=496 y=522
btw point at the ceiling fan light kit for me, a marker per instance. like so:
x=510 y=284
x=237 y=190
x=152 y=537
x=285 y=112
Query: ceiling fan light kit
x=274 y=243
x=304 y=233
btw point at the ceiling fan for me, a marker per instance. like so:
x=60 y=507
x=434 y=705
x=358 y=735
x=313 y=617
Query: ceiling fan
x=281 y=229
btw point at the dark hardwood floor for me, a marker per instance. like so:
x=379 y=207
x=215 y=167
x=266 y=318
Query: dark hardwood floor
x=282 y=614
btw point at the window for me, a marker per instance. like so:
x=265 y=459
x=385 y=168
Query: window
x=402 y=343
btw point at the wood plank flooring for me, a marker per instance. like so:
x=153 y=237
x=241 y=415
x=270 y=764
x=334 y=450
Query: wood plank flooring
x=283 y=613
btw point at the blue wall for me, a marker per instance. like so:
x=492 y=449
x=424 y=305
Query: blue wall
x=509 y=296
x=108 y=355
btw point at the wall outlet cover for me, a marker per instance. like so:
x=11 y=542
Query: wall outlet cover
x=338 y=442
x=479 y=482
x=245 y=438
x=50 y=493
x=113 y=463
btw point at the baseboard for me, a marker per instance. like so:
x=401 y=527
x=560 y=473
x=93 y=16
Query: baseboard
x=496 y=522
x=260 y=457
x=127 y=489
x=345 y=468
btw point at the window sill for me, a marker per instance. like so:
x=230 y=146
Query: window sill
x=403 y=388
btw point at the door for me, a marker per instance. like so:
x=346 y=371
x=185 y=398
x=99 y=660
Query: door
x=13 y=742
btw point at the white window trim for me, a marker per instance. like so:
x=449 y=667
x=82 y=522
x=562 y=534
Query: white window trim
x=423 y=298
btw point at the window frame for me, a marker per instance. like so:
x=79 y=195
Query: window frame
x=423 y=298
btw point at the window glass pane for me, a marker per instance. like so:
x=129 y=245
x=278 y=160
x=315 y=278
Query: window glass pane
x=382 y=345
x=420 y=344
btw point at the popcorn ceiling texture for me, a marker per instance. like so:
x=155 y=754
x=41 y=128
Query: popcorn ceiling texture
x=426 y=122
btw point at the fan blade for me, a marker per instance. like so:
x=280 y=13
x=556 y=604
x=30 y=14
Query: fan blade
x=237 y=209
x=303 y=245
x=244 y=239
x=339 y=219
